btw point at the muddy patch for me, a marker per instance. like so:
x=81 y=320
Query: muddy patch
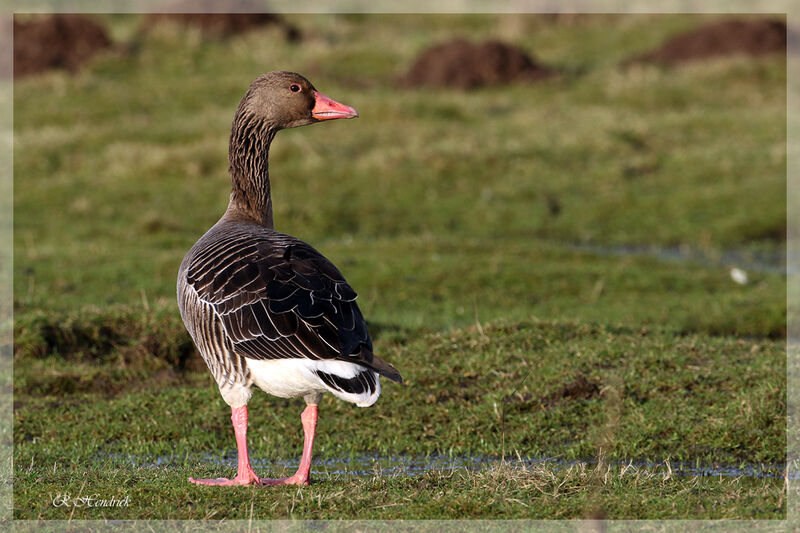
x=579 y=388
x=574 y=19
x=222 y=18
x=465 y=65
x=56 y=42
x=725 y=37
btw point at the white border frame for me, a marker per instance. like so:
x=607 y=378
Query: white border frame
x=787 y=7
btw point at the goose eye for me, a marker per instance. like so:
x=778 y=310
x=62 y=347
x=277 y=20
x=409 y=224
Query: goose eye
x=294 y=88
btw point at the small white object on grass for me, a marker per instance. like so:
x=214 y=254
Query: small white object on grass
x=739 y=276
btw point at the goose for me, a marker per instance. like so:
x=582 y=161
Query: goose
x=267 y=309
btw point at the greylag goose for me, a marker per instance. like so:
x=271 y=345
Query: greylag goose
x=267 y=309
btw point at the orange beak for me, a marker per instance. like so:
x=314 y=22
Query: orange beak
x=328 y=109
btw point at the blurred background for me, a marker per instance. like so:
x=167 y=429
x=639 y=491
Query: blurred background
x=516 y=186
x=619 y=135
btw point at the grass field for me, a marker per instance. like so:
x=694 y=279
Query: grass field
x=487 y=235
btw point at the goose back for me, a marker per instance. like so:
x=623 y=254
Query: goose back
x=264 y=295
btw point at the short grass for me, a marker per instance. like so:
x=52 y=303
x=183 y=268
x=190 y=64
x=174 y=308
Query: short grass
x=456 y=216
x=501 y=492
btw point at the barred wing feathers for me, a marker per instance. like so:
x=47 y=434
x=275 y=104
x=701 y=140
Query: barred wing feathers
x=279 y=298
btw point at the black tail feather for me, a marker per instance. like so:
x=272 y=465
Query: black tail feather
x=385 y=369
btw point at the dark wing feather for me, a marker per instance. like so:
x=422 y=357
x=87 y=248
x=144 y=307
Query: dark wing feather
x=279 y=298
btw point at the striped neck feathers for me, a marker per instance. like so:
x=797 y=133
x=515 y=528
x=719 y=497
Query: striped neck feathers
x=248 y=155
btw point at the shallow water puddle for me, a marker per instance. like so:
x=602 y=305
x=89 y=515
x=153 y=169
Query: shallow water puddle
x=772 y=262
x=416 y=465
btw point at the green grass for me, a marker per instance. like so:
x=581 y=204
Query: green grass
x=456 y=216
x=482 y=404
x=500 y=492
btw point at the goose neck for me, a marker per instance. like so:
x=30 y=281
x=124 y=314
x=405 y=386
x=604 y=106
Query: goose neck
x=248 y=157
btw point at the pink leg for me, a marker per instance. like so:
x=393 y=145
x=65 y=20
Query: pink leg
x=244 y=473
x=301 y=477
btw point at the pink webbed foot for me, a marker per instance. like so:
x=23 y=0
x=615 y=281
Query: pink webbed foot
x=252 y=479
x=294 y=480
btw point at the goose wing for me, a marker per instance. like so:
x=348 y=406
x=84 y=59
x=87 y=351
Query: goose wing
x=279 y=298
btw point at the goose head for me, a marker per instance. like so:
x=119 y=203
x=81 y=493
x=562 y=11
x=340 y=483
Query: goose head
x=283 y=99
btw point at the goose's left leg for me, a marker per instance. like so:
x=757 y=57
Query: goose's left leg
x=309 y=419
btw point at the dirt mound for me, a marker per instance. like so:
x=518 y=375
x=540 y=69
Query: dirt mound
x=222 y=18
x=724 y=37
x=466 y=65
x=56 y=41
x=578 y=389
